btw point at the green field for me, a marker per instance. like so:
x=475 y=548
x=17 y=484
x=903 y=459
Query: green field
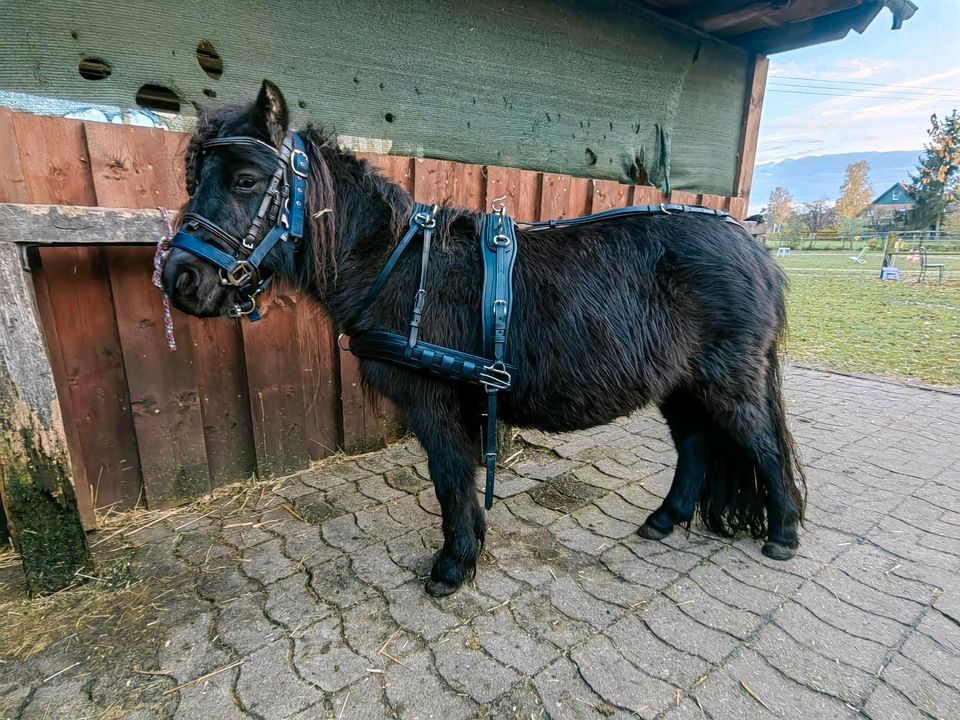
x=842 y=316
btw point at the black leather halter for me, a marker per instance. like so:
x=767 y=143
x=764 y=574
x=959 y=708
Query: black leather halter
x=280 y=218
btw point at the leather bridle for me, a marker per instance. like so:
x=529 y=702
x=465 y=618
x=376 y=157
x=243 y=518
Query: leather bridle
x=279 y=218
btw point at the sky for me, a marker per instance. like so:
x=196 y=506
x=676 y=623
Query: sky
x=870 y=92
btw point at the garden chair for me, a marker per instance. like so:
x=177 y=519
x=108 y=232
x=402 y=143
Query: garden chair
x=926 y=265
x=862 y=257
x=783 y=251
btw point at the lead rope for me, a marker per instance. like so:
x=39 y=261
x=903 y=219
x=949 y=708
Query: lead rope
x=159 y=260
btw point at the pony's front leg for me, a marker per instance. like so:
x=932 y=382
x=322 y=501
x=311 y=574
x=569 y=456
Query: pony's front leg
x=451 y=449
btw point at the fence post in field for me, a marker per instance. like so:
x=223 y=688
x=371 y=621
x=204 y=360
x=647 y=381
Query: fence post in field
x=35 y=480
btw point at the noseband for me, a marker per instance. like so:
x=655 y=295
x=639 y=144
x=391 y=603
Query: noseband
x=280 y=218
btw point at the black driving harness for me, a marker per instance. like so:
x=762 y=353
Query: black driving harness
x=280 y=218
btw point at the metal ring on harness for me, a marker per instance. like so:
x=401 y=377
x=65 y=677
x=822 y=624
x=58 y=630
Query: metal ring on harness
x=340 y=338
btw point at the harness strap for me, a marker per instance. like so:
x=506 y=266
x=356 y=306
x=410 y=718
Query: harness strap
x=421 y=217
x=660 y=209
x=422 y=291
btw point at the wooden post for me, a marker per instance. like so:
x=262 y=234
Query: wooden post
x=35 y=483
x=750 y=128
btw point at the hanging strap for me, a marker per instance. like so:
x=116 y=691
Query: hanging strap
x=422 y=291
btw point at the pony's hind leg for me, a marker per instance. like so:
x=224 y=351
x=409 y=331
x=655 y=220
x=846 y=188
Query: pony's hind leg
x=686 y=417
x=451 y=453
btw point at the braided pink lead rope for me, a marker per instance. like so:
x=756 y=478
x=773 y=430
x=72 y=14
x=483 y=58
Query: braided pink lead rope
x=159 y=260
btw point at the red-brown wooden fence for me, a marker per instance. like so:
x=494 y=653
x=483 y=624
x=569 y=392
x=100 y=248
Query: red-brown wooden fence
x=147 y=425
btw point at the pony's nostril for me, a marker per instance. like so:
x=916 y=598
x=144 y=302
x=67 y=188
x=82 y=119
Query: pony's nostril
x=188 y=281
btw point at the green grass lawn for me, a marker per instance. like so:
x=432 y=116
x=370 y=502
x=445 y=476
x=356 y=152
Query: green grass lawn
x=842 y=316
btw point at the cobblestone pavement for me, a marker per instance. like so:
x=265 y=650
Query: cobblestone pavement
x=308 y=602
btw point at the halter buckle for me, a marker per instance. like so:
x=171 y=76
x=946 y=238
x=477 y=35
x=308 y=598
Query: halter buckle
x=239 y=276
x=301 y=157
x=238 y=311
x=495 y=377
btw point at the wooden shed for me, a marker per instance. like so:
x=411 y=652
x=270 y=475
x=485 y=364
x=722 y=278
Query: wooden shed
x=567 y=107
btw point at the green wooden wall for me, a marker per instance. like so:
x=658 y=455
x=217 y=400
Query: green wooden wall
x=570 y=87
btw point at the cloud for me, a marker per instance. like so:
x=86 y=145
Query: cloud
x=867 y=119
x=851 y=69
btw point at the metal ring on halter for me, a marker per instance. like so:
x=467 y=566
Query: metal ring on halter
x=499 y=201
x=340 y=338
x=238 y=310
x=239 y=276
x=664 y=210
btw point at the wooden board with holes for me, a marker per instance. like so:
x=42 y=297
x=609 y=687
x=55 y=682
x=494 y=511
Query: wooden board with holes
x=609 y=194
x=521 y=188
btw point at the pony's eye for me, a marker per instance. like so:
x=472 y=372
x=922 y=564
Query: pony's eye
x=246 y=182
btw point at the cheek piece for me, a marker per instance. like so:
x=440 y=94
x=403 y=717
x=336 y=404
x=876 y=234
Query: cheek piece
x=280 y=218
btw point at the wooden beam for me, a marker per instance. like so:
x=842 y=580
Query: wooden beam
x=35 y=483
x=750 y=127
x=75 y=225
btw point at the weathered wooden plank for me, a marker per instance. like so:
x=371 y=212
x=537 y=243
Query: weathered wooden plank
x=320 y=378
x=579 y=197
x=608 y=194
x=35 y=486
x=162 y=385
x=142 y=168
x=275 y=386
x=682 y=197
x=53 y=155
x=750 y=126
x=647 y=195
x=82 y=307
x=737 y=207
x=717 y=202
x=13 y=188
x=532 y=84
x=136 y=167
x=221 y=376
x=522 y=190
x=555 y=196
x=74 y=225
x=81 y=483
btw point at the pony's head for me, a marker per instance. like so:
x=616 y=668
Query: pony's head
x=237 y=178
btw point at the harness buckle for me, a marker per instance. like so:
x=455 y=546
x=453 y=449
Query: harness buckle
x=239 y=276
x=238 y=310
x=427 y=219
x=495 y=377
x=501 y=240
x=299 y=157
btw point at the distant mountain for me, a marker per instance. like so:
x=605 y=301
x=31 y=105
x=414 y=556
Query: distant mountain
x=814 y=177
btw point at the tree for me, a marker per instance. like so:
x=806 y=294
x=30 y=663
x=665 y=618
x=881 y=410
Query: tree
x=818 y=215
x=937 y=182
x=779 y=207
x=855 y=192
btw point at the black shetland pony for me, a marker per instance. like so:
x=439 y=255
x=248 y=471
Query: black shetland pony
x=682 y=310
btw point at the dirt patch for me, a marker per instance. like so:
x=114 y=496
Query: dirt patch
x=565 y=494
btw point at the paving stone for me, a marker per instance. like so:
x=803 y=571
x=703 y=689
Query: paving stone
x=377 y=523
x=266 y=562
x=407 y=512
x=925 y=692
x=211 y=699
x=618 y=682
x=646 y=651
x=510 y=644
x=723 y=586
x=292 y=604
x=412 y=610
x=367 y=626
x=885 y=703
x=535 y=614
x=807 y=629
x=937 y=655
x=467 y=669
x=674 y=628
x=373 y=565
x=269 y=687
x=416 y=692
x=321 y=657
x=810 y=668
x=342 y=532
x=377 y=489
x=565 y=695
x=509 y=484
x=574 y=602
x=831 y=609
x=599 y=523
x=707 y=610
x=362 y=701
x=243 y=625
x=187 y=652
x=335 y=583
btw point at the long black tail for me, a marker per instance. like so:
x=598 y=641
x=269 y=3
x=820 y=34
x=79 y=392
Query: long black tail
x=734 y=496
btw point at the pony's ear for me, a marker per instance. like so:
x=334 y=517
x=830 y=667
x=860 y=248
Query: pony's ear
x=270 y=113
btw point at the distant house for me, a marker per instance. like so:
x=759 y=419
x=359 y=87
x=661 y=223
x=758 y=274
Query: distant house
x=889 y=205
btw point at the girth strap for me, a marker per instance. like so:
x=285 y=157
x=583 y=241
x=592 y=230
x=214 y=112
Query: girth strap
x=659 y=209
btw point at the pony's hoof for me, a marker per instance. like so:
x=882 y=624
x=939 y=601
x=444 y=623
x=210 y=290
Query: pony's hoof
x=649 y=532
x=778 y=551
x=439 y=588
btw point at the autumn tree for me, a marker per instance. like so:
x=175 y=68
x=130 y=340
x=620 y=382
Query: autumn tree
x=937 y=182
x=818 y=215
x=855 y=195
x=779 y=207
x=855 y=192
